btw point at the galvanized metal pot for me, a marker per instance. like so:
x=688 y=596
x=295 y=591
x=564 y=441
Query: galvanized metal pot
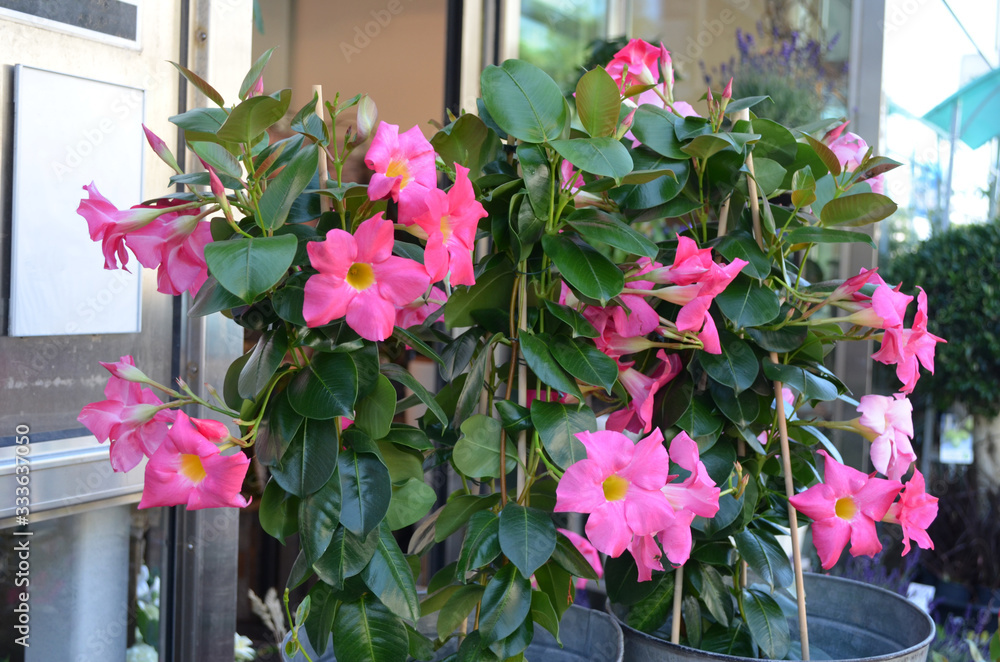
x=848 y=621
x=587 y=636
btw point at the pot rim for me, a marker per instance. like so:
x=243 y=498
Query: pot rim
x=916 y=611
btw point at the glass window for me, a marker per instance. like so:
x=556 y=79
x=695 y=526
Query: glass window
x=557 y=35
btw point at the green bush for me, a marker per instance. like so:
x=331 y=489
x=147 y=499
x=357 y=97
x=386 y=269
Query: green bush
x=960 y=271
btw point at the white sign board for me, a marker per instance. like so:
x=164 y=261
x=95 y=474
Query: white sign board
x=69 y=132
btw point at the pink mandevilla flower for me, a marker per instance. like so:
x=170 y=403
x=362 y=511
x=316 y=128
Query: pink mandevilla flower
x=189 y=469
x=174 y=245
x=642 y=60
x=642 y=389
x=844 y=509
x=404 y=169
x=850 y=149
x=618 y=484
x=417 y=311
x=907 y=347
x=889 y=425
x=360 y=278
x=109 y=225
x=915 y=511
x=130 y=418
x=450 y=226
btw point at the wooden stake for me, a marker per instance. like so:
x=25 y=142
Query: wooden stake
x=752 y=187
x=675 y=626
x=793 y=520
x=324 y=168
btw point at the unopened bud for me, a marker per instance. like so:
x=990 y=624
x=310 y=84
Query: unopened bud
x=728 y=92
x=257 y=89
x=161 y=150
x=367 y=117
x=667 y=71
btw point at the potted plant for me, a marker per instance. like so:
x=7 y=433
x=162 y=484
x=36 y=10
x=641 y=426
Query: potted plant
x=614 y=350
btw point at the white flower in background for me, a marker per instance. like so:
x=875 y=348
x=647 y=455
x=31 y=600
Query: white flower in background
x=142 y=653
x=245 y=651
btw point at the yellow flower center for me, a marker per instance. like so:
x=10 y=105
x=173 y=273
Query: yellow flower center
x=360 y=276
x=845 y=508
x=615 y=488
x=192 y=468
x=399 y=169
x=445 y=228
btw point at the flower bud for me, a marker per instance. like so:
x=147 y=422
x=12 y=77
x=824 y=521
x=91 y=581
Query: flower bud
x=728 y=92
x=367 y=117
x=161 y=150
x=257 y=89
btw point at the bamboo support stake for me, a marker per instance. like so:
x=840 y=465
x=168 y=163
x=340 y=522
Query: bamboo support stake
x=324 y=168
x=675 y=626
x=522 y=391
x=793 y=520
x=752 y=187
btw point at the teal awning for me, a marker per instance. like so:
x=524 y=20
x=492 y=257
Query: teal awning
x=979 y=111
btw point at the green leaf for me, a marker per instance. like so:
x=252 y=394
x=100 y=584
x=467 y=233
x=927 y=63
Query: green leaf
x=815 y=235
x=557 y=425
x=506 y=603
x=857 y=210
x=345 y=557
x=598 y=102
x=599 y=226
x=327 y=389
x=288 y=302
x=557 y=584
x=768 y=174
x=740 y=244
x=571 y=559
x=365 y=489
x=253 y=117
x=592 y=274
x=319 y=515
x=535 y=350
x=736 y=367
x=310 y=458
x=287 y=186
x=366 y=631
x=537 y=174
x=543 y=613
x=481 y=544
x=248 y=267
x=811 y=386
x=212 y=298
x=477 y=452
x=654 y=127
x=572 y=317
x=401 y=376
x=458 y=608
x=746 y=102
x=375 y=412
x=513 y=416
x=524 y=101
x=263 y=362
x=491 y=291
x=467 y=141
x=219 y=158
x=527 y=537
x=765 y=556
x=201 y=85
x=255 y=73
x=605 y=157
x=699 y=419
x=200 y=123
x=411 y=437
x=472 y=389
x=746 y=303
x=650 y=612
x=825 y=155
x=388 y=576
x=278 y=512
x=319 y=620
x=458 y=510
x=714 y=593
x=776 y=142
x=741 y=409
x=583 y=360
x=708 y=145
x=768 y=626
x=781 y=340
x=410 y=502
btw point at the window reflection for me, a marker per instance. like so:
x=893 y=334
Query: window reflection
x=556 y=35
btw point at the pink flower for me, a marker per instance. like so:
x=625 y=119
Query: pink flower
x=404 y=169
x=851 y=149
x=160 y=149
x=257 y=89
x=642 y=389
x=417 y=311
x=589 y=552
x=360 y=278
x=174 y=245
x=130 y=418
x=642 y=60
x=889 y=423
x=450 y=223
x=697 y=493
x=906 y=347
x=109 y=225
x=619 y=486
x=914 y=511
x=850 y=287
x=125 y=369
x=885 y=309
x=845 y=508
x=188 y=469
x=647 y=555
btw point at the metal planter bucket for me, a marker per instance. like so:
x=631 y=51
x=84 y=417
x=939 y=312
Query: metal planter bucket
x=587 y=636
x=848 y=621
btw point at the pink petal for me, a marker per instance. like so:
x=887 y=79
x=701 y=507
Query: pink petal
x=830 y=536
x=647 y=555
x=399 y=280
x=607 y=530
x=864 y=538
x=326 y=299
x=817 y=502
x=650 y=464
x=580 y=490
x=676 y=538
x=374 y=240
x=610 y=451
x=335 y=254
x=371 y=316
x=647 y=511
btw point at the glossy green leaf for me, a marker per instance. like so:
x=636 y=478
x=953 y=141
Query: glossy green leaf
x=598 y=102
x=256 y=71
x=746 y=303
x=481 y=544
x=537 y=174
x=605 y=157
x=287 y=186
x=327 y=389
x=599 y=226
x=472 y=389
x=265 y=359
x=288 y=302
x=365 y=630
x=365 y=489
x=319 y=620
x=527 y=537
x=388 y=576
x=571 y=559
x=715 y=595
x=524 y=101
x=401 y=376
x=741 y=409
x=458 y=510
x=594 y=275
x=581 y=359
x=513 y=416
x=212 y=298
x=768 y=626
x=557 y=425
x=736 y=367
x=375 y=412
x=782 y=340
x=825 y=155
x=857 y=210
x=201 y=85
x=278 y=512
x=467 y=141
x=537 y=354
x=654 y=127
x=491 y=291
x=740 y=244
x=506 y=603
x=411 y=437
x=310 y=458
x=410 y=502
x=746 y=102
x=218 y=157
x=461 y=604
x=572 y=317
x=651 y=611
x=768 y=174
x=319 y=514
x=816 y=235
x=248 y=267
x=477 y=452
x=346 y=556
x=776 y=142
x=200 y=123
x=765 y=557
x=254 y=116
x=543 y=613
x=812 y=386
